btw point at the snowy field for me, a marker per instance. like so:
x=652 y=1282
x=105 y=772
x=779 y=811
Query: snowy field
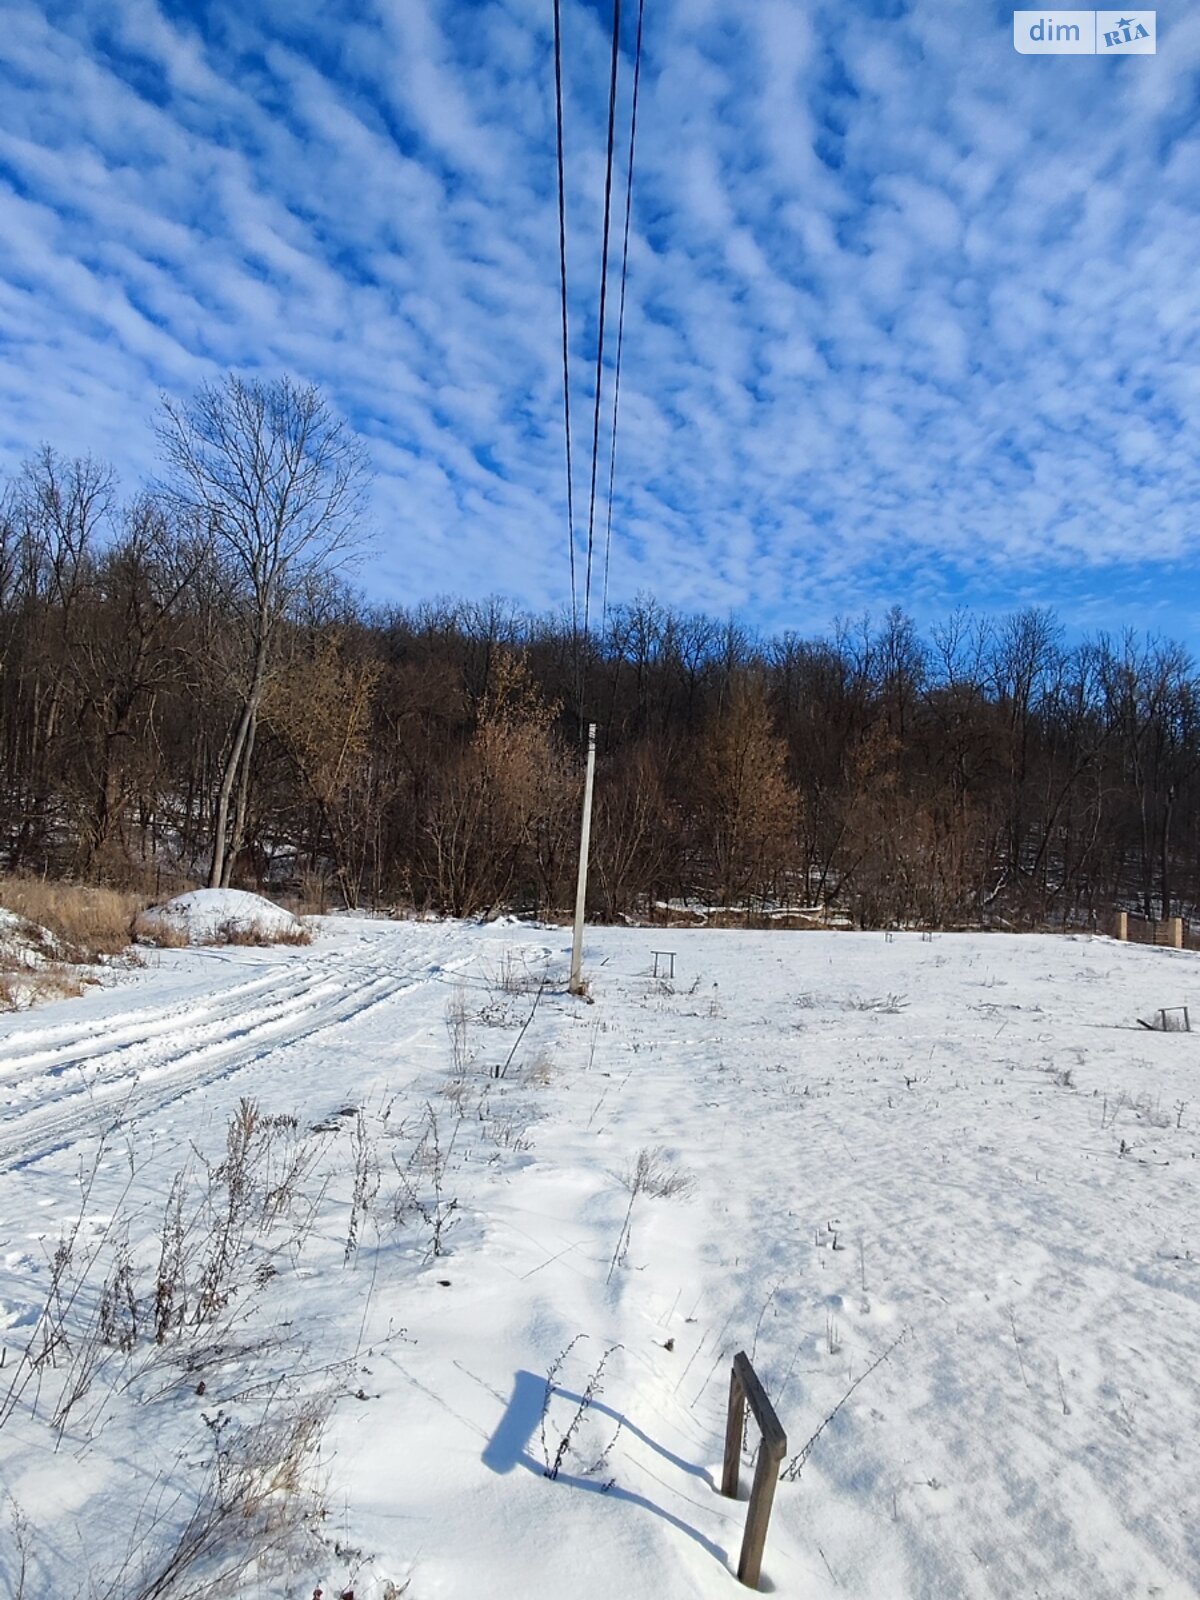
x=329 y=1332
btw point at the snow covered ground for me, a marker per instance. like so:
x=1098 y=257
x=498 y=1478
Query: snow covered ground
x=33 y=964
x=220 y=916
x=961 y=1154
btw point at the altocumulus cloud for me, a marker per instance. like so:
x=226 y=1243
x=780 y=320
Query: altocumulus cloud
x=911 y=317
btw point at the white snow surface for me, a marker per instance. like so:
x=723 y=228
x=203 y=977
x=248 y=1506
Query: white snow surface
x=26 y=949
x=960 y=1151
x=25 y=944
x=204 y=913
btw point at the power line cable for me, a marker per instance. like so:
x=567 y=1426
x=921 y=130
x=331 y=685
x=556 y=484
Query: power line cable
x=562 y=276
x=612 y=463
x=612 y=117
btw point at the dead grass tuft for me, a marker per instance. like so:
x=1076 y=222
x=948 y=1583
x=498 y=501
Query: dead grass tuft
x=167 y=935
x=153 y=930
x=27 y=986
x=654 y=1173
x=261 y=933
x=90 y=922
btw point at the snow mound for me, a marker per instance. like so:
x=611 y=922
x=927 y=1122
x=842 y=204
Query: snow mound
x=221 y=916
x=25 y=944
x=33 y=966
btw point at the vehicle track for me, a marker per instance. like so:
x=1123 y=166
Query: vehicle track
x=135 y=1033
x=76 y=1082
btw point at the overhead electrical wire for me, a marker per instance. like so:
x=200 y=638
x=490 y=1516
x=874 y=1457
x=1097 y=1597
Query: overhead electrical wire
x=612 y=463
x=562 y=274
x=612 y=120
x=598 y=396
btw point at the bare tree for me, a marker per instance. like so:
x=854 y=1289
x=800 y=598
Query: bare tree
x=748 y=811
x=280 y=480
x=59 y=509
x=320 y=706
x=500 y=822
x=121 y=659
x=633 y=831
x=170 y=683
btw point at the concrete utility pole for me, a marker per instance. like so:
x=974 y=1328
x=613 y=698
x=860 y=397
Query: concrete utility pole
x=585 y=832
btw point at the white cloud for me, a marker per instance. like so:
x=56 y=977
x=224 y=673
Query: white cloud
x=910 y=316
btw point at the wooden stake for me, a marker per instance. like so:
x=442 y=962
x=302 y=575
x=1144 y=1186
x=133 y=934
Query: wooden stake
x=735 y=1423
x=585 y=831
x=744 y=1386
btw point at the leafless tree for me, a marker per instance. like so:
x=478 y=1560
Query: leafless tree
x=279 y=480
x=748 y=805
x=189 y=674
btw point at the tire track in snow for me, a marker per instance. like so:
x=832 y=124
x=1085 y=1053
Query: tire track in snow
x=62 y=1046
x=237 y=1040
x=106 y=1069
x=135 y=1032
x=70 y=1042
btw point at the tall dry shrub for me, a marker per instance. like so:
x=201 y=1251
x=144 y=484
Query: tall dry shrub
x=748 y=810
x=499 y=826
x=320 y=705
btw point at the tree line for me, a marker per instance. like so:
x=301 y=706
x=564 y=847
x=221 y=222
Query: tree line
x=190 y=689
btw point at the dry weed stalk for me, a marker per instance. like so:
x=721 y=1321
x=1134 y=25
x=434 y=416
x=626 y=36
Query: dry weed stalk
x=50 y=1340
x=430 y=1158
x=252 y=1504
x=22 y=1545
x=156 y=1318
x=593 y=1387
x=457 y=1020
x=366 y=1183
x=652 y=1174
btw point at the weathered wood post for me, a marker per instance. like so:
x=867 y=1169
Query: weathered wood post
x=734 y=1424
x=1121 y=925
x=576 y=984
x=743 y=1386
x=1175 y=933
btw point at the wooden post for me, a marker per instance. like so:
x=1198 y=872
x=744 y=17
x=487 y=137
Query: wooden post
x=1175 y=932
x=743 y=1386
x=734 y=1424
x=1121 y=925
x=762 y=1498
x=576 y=984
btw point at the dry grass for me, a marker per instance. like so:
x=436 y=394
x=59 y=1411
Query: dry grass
x=168 y=935
x=24 y=986
x=261 y=933
x=61 y=926
x=653 y=1173
x=90 y=922
x=313 y=897
x=153 y=930
x=168 y=1307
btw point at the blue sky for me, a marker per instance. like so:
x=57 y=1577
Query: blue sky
x=912 y=318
